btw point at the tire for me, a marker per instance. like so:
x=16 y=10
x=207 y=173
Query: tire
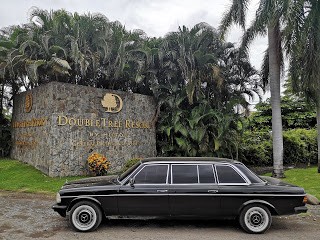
x=85 y=216
x=255 y=218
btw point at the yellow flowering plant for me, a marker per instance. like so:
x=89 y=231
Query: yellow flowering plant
x=98 y=164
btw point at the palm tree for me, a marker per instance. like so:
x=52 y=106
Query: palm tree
x=303 y=47
x=267 y=21
x=190 y=53
x=201 y=80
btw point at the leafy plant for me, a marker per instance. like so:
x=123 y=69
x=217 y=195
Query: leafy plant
x=300 y=147
x=98 y=164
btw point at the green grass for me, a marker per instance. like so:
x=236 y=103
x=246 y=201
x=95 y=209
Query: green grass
x=308 y=178
x=18 y=176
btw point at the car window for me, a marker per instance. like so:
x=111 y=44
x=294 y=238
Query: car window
x=206 y=174
x=227 y=174
x=250 y=175
x=184 y=174
x=151 y=174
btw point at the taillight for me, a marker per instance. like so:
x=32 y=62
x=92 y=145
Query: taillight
x=305 y=199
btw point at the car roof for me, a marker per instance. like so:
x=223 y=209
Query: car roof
x=188 y=159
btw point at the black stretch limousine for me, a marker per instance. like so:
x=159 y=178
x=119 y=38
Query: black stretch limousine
x=180 y=187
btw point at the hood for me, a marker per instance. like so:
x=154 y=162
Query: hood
x=92 y=181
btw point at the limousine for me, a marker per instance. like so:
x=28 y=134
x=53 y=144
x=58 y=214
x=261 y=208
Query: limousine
x=208 y=188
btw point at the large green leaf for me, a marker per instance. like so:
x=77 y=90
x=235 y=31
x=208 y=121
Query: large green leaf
x=182 y=143
x=197 y=134
x=179 y=128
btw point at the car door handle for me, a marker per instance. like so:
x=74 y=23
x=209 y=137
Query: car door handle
x=162 y=191
x=213 y=191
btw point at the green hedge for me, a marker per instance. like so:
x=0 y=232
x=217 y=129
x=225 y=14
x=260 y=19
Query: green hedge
x=300 y=147
x=256 y=148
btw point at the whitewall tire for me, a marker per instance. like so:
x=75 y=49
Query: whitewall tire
x=255 y=218
x=85 y=216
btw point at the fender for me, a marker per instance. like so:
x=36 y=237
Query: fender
x=74 y=201
x=258 y=201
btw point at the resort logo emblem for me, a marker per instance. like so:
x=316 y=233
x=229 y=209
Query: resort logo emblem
x=28 y=102
x=112 y=103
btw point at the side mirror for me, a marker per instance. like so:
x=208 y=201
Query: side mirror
x=131 y=182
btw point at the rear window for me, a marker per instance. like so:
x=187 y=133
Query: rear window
x=227 y=174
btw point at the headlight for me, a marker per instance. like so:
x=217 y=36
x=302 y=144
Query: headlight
x=58 y=198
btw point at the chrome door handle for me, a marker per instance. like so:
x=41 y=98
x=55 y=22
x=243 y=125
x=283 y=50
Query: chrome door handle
x=162 y=191
x=213 y=191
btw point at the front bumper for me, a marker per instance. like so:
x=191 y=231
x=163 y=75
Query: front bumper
x=302 y=209
x=62 y=210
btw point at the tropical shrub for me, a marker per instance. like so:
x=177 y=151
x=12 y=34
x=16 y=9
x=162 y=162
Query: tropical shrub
x=300 y=147
x=256 y=148
x=98 y=164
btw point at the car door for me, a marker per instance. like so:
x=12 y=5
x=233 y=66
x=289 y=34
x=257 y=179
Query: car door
x=193 y=190
x=233 y=189
x=148 y=195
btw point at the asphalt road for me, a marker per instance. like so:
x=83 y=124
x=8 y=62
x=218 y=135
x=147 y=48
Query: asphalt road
x=29 y=216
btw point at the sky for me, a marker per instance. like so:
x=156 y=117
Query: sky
x=155 y=17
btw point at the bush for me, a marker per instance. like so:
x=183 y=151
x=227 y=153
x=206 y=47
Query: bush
x=98 y=164
x=256 y=149
x=300 y=147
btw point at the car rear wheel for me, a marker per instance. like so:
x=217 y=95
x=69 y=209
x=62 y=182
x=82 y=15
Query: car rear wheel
x=85 y=216
x=255 y=218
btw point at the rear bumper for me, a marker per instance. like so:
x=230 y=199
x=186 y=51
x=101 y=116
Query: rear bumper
x=302 y=209
x=62 y=210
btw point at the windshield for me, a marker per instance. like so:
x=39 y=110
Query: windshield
x=128 y=172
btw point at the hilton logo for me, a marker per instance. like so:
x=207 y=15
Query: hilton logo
x=112 y=102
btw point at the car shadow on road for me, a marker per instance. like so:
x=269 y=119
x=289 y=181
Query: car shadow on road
x=170 y=223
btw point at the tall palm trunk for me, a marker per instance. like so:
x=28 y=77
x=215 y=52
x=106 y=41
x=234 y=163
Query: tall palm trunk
x=1 y=99
x=318 y=128
x=274 y=68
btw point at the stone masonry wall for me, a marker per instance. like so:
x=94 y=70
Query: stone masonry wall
x=75 y=123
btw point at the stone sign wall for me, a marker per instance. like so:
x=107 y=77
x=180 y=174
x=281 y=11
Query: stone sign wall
x=55 y=127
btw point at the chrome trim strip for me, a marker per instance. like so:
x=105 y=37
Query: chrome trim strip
x=189 y=194
x=198 y=173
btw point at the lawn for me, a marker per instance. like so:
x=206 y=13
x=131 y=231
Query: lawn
x=18 y=176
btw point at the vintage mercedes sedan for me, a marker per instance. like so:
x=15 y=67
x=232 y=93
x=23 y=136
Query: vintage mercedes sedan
x=208 y=188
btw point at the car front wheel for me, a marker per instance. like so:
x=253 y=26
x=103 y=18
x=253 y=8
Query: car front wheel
x=85 y=216
x=255 y=218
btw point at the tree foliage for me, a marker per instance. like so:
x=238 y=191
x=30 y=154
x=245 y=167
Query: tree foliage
x=296 y=113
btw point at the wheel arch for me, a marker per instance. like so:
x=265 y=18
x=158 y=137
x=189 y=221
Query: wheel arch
x=84 y=198
x=271 y=208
